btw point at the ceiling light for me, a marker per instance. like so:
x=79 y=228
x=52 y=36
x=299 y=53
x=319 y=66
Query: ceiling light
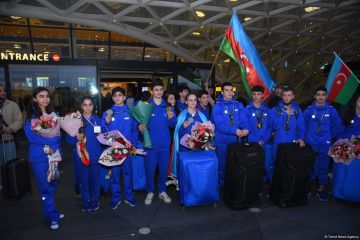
x=311 y=9
x=227 y=60
x=147 y=56
x=15 y=17
x=196 y=33
x=101 y=49
x=247 y=19
x=233 y=0
x=8 y=51
x=200 y=14
x=17 y=46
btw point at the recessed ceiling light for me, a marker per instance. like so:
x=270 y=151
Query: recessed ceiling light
x=227 y=60
x=247 y=19
x=17 y=46
x=200 y=14
x=311 y=9
x=196 y=33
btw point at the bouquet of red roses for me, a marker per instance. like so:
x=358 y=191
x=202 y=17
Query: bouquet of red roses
x=201 y=136
x=342 y=151
x=356 y=143
x=119 y=150
x=46 y=125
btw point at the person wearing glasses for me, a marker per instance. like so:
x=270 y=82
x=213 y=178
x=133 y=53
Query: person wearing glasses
x=287 y=123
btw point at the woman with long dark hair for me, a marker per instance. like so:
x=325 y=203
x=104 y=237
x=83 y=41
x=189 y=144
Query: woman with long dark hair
x=39 y=105
x=351 y=118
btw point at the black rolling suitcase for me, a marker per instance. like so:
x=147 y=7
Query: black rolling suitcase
x=291 y=181
x=243 y=175
x=15 y=176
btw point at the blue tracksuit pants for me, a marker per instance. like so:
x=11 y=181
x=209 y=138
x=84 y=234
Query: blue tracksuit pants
x=221 y=152
x=46 y=190
x=152 y=160
x=321 y=165
x=116 y=172
x=90 y=182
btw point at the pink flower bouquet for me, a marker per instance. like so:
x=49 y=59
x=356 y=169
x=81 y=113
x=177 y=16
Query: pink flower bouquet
x=71 y=123
x=342 y=151
x=201 y=136
x=54 y=159
x=46 y=125
x=119 y=150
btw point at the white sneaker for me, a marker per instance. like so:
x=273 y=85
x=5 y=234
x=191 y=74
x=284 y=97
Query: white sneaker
x=149 y=198
x=163 y=196
x=54 y=225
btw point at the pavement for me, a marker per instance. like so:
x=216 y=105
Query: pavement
x=21 y=219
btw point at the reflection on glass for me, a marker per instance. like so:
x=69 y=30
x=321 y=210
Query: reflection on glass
x=51 y=40
x=2 y=75
x=67 y=84
x=14 y=39
x=92 y=44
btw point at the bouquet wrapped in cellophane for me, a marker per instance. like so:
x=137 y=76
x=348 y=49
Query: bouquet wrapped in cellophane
x=47 y=125
x=120 y=148
x=201 y=136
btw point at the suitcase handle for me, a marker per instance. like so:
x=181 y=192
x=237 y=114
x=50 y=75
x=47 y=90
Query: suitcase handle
x=3 y=147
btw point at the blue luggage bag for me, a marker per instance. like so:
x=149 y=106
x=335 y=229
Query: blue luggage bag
x=346 y=181
x=198 y=178
x=138 y=170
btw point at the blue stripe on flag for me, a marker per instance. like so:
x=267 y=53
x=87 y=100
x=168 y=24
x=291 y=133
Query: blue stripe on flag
x=250 y=52
x=337 y=64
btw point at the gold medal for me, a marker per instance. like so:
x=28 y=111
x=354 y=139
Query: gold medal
x=259 y=125
x=231 y=122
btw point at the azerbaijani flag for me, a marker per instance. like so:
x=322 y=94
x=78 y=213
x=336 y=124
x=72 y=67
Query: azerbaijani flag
x=239 y=47
x=341 y=83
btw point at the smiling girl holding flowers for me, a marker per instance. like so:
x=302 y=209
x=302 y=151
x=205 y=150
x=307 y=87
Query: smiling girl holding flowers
x=41 y=150
x=87 y=157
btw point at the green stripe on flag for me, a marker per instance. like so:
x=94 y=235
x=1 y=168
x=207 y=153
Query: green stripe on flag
x=226 y=48
x=348 y=90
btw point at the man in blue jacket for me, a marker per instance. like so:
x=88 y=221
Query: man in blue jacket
x=230 y=123
x=258 y=119
x=322 y=124
x=158 y=156
x=287 y=123
x=183 y=91
x=121 y=120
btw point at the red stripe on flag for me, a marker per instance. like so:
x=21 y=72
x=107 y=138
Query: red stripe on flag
x=253 y=77
x=340 y=79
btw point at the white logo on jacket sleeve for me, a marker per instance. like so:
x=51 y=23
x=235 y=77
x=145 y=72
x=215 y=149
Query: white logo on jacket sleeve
x=153 y=115
x=236 y=110
x=253 y=114
x=126 y=118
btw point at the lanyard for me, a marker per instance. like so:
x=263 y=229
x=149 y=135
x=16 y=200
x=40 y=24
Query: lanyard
x=318 y=128
x=231 y=115
x=259 y=117
x=88 y=120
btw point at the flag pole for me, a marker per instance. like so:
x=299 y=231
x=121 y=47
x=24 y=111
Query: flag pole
x=346 y=66
x=212 y=67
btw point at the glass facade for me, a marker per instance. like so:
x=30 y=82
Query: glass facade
x=68 y=84
x=22 y=35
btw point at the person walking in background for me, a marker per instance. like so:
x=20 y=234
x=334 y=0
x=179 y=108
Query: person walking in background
x=10 y=122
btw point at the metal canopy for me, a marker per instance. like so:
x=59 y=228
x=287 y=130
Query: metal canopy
x=295 y=38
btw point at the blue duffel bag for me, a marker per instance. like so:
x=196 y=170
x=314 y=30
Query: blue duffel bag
x=198 y=178
x=346 y=181
x=138 y=170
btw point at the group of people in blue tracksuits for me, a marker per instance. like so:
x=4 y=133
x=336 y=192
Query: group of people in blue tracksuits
x=317 y=126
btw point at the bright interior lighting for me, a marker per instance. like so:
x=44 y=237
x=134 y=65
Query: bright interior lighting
x=200 y=14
